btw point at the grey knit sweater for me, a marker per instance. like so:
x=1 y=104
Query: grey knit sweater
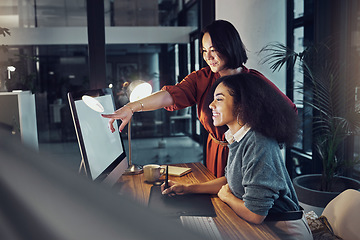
x=256 y=173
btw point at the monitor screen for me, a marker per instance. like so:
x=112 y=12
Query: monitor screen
x=102 y=151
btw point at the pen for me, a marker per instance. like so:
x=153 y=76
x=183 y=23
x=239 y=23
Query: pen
x=167 y=177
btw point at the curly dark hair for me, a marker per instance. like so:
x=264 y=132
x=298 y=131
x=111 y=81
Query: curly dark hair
x=226 y=40
x=259 y=105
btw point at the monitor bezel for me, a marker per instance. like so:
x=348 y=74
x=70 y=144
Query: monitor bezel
x=76 y=96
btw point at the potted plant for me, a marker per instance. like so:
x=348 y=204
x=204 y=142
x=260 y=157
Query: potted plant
x=332 y=121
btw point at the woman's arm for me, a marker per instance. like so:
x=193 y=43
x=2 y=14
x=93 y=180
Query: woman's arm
x=210 y=187
x=238 y=206
x=155 y=101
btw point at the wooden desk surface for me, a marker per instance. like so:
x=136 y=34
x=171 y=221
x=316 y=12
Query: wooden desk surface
x=229 y=224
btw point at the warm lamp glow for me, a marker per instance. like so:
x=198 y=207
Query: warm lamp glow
x=139 y=89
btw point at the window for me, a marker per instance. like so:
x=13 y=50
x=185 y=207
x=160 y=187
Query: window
x=298 y=25
x=307 y=25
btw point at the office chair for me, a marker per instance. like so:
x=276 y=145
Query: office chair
x=343 y=214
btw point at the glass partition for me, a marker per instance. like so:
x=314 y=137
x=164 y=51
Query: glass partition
x=48 y=47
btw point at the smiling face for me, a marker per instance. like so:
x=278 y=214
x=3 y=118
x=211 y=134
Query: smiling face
x=211 y=56
x=223 y=109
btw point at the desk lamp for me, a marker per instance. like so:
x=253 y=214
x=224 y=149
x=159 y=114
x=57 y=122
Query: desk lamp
x=136 y=90
x=10 y=69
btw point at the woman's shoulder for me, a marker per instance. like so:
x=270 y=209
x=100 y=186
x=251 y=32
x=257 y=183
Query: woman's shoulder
x=254 y=137
x=204 y=72
x=254 y=72
x=255 y=144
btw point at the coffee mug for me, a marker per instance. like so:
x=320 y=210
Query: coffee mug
x=152 y=172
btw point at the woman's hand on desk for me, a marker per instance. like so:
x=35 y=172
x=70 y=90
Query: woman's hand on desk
x=174 y=189
x=210 y=187
x=238 y=205
x=225 y=192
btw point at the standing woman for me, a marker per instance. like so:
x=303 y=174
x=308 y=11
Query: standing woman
x=256 y=184
x=225 y=54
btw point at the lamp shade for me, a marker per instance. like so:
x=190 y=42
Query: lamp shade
x=11 y=68
x=139 y=89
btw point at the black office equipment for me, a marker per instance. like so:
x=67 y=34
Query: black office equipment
x=103 y=153
x=181 y=205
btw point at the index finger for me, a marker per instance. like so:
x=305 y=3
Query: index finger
x=109 y=115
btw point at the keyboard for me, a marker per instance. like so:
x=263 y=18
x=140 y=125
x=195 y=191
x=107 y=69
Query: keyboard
x=202 y=225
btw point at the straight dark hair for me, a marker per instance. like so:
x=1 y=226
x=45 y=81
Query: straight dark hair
x=226 y=40
x=259 y=105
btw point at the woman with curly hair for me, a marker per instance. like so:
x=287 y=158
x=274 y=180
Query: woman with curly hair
x=256 y=184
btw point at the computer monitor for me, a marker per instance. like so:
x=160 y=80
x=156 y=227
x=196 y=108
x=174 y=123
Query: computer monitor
x=102 y=152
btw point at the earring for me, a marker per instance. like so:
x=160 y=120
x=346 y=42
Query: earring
x=237 y=119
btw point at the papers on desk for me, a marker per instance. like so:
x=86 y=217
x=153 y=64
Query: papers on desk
x=178 y=171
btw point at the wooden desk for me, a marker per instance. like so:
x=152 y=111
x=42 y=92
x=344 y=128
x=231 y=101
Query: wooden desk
x=230 y=225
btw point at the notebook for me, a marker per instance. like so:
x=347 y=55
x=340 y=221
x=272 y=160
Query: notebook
x=181 y=205
x=178 y=171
